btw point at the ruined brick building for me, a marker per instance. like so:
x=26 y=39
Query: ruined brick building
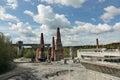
x=56 y=52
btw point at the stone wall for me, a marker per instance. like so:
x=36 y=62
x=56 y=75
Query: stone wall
x=102 y=69
x=95 y=75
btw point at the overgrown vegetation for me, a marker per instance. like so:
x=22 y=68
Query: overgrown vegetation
x=108 y=46
x=28 y=53
x=113 y=45
x=67 y=52
x=7 y=52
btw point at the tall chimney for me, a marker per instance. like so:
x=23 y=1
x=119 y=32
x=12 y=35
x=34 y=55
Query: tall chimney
x=42 y=46
x=58 y=35
x=58 y=48
x=97 y=43
x=53 y=57
x=41 y=39
x=40 y=56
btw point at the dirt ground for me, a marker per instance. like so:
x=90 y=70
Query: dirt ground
x=56 y=71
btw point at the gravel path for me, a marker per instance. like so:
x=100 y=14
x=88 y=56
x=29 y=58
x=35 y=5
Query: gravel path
x=55 y=71
x=26 y=70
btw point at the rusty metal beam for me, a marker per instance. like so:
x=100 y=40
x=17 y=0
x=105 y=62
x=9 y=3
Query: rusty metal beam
x=38 y=45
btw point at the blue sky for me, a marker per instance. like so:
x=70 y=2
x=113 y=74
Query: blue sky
x=80 y=21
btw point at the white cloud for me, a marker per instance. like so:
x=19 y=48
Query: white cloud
x=12 y=4
x=73 y=3
x=23 y=29
x=93 y=19
x=27 y=0
x=110 y=13
x=82 y=27
x=47 y=17
x=101 y=0
x=7 y=34
x=3 y=28
x=117 y=26
x=81 y=34
x=7 y=17
x=29 y=13
x=86 y=33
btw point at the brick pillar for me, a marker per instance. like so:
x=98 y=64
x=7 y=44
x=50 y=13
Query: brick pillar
x=58 y=47
x=42 y=47
x=53 y=56
x=97 y=43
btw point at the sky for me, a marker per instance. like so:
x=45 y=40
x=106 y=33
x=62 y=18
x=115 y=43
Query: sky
x=81 y=22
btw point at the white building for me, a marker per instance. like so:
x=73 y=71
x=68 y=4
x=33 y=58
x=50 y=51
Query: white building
x=97 y=54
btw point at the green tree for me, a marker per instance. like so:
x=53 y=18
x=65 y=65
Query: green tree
x=28 y=53
x=66 y=52
x=6 y=52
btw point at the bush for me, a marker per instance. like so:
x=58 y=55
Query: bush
x=6 y=52
x=66 y=52
x=28 y=53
